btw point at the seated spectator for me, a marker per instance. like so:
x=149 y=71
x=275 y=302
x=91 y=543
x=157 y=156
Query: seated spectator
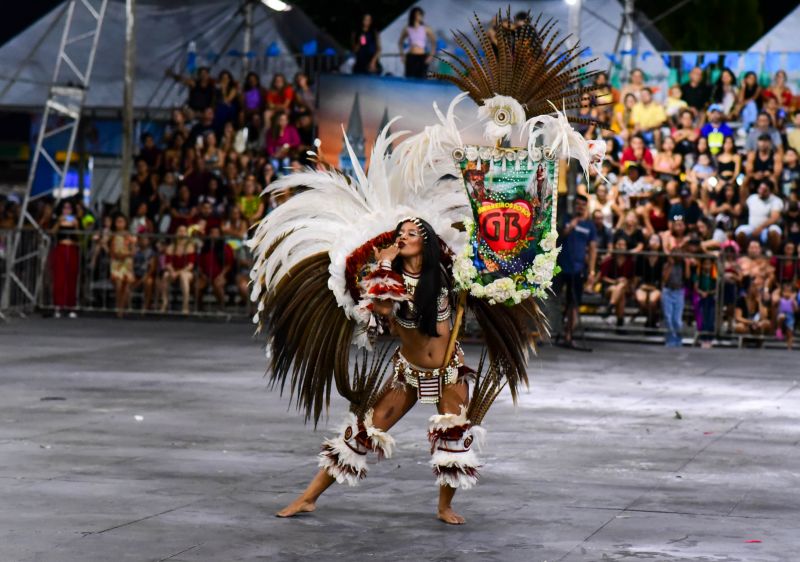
x=250 y=203
x=793 y=135
x=751 y=316
x=716 y=130
x=616 y=273
x=168 y=188
x=122 y=247
x=674 y=105
x=729 y=161
x=283 y=139
x=705 y=234
x=764 y=213
x=141 y=221
x=667 y=162
x=748 y=99
x=174 y=154
x=254 y=96
x=605 y=95
x=791 y=221
x=635 y=86
x=179 y=268
x=630 y=231
x=638 y=153
x=786 y=265
x=622 y=121
x=725 y=94
x=304 y=100
x=648 y=117
x=685 y=134
x=601 y=202
x=235 y=226
x=588 y=114
x=725 y=203
x=649 y=273
x=790 y=175
x=634 y=188
x=145 y=268
x=149 y=152
x=182 y=210
x=280 y=94
x=215 y=263
x=687 y=208
x=776 y=114
x=200 y=129
x=779 y=91
x=754 y=265
x=764 y=163
x=763 y=126
x=654 y=213
x=212 y=155
x=701 y=171
x=206 y=214
x=695 y=92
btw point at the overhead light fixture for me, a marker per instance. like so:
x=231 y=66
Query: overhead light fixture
x=571 y=2
x=277 y=5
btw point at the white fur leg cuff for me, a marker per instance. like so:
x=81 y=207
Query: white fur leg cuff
x=454 y=441
x=379 y=441
x=343 y=457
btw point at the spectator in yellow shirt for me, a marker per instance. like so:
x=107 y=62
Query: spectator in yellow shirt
x=793 y=135
x=648 y=117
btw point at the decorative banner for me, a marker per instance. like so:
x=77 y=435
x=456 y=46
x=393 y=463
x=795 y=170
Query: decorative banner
x=511 y=252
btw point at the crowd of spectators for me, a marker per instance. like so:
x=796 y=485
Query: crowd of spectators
x=706 y=177
x=194 y=194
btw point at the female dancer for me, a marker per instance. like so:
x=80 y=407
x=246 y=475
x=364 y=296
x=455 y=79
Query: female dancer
x=423 y=326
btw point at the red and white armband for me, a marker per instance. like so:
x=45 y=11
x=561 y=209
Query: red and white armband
x=380 y=284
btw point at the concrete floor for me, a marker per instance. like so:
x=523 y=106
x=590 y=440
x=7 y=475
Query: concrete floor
x=146 y=440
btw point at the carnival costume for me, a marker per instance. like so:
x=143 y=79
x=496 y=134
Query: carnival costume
x=493 y=209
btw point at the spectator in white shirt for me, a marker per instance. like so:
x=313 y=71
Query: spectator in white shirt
x=764 y=212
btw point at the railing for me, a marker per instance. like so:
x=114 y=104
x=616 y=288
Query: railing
x=598 y=317
x=135 y=274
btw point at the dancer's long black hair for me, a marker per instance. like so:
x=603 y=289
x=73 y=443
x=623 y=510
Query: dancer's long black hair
x=431 y=279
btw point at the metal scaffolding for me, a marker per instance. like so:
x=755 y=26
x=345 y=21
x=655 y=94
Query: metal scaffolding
x=61 y=118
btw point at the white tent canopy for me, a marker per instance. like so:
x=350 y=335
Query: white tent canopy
x=600 y=22
x=164 y=31
x=782 y=37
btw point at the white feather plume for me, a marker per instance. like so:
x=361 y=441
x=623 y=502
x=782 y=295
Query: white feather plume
x=493 y=130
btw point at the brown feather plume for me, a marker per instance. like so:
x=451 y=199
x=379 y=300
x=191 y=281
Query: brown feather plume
x=529 y=63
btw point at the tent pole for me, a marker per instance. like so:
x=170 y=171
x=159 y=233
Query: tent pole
x=248 y=36
x=127 y=109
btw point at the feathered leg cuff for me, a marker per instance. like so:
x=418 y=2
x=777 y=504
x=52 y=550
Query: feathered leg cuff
x=454 y=441
x=345 y=457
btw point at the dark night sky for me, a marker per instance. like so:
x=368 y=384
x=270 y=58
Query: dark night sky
x=26 y=12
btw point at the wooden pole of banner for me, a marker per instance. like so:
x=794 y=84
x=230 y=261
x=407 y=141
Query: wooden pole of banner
x=460 y=306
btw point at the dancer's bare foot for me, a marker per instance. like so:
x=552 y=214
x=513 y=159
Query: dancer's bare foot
x=450 y=517
x=297 y=506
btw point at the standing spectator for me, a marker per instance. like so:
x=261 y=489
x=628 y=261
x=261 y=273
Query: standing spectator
x=254 y=97
x=763 y=126
x=122 y=249
x=779 y=91
x=676 y=236
x=616 y=273
x=65 y=260
x=227 y=100
x=216 y=260
x=366 y=44
x=725 y=93
x=605 y=236
x=764 y=212
x=145 y=268
x=283 y=140
x=180 y=259
x=716 y=130
x=764 y=163
x=672 y=298
x=705 y=287
x=648 y=117
x=786 y=313
x=695 y=92
x=201 y=89
x=731 y=282
x=419 y=36
x=578 y=241
x=280 y=94
x=649 y=275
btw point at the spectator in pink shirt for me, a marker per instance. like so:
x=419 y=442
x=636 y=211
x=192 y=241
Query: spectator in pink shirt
x=283 y=140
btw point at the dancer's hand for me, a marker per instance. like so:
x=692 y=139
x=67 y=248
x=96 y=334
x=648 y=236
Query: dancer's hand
x=389 y=253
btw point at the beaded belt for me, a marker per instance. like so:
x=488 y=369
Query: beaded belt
x=428 y=382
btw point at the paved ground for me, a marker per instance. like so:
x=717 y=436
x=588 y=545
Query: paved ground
x=593 y=464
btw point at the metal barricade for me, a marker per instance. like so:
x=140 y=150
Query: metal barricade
x=21 y=278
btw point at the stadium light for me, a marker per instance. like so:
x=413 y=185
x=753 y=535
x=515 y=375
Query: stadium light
x=277 y=5
x=571 y=2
